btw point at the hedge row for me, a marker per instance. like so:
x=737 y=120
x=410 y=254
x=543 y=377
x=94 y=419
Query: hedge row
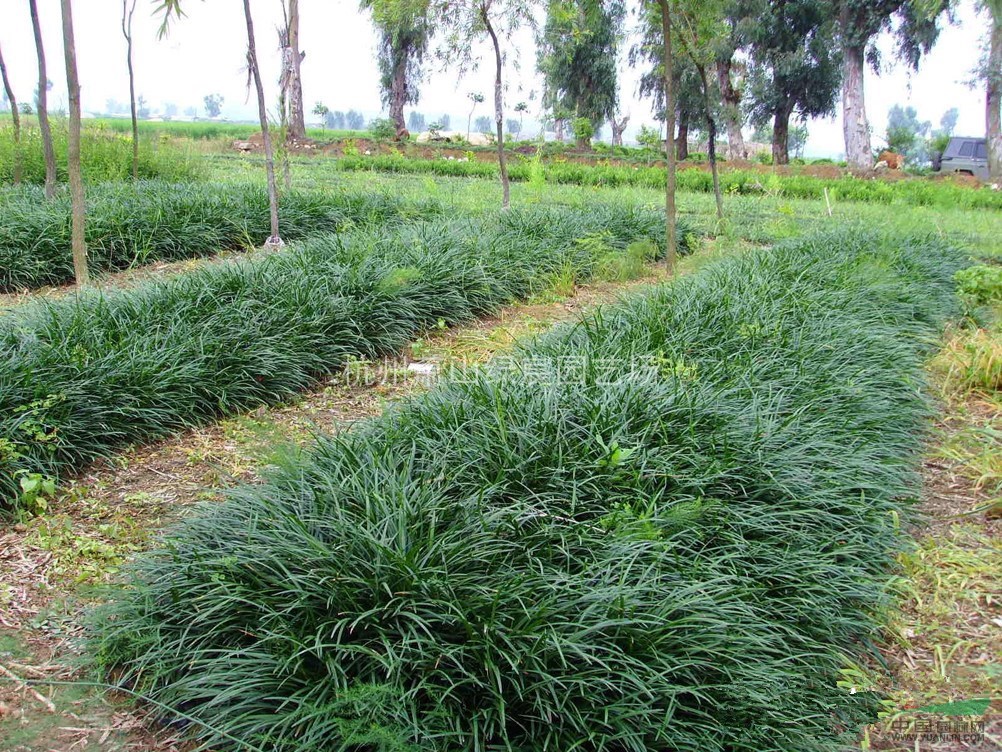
x=84 y=376
x=743 y=182
x=130 y=224
x=680 y=545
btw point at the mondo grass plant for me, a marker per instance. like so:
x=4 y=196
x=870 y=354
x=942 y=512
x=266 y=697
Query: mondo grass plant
x=133 y=224
x=85 y=375
x=668 y=527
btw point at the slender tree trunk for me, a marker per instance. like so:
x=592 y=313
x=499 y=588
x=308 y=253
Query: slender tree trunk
x=732 y=111
x=275 y=239
x=398 y=91
x=711 y=144
x=558 y=129
x=781 y=135
x=671 y=241
x=993 y=98
x=297 y=114
x=498 y=109
x=127 y=32
x=858 y=152
x=43 y=104
x=16 y=117
x=682 y=140
x=73 y=150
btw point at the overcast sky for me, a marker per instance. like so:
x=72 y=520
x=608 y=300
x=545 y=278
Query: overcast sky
x=205 y=54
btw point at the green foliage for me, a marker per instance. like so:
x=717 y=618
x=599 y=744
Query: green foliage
x=679 y=545
x=650 y=138
x=105 y=156
x=132 y=224
x=577 y=57
x=382 y=128
x=583 y=129
x=135 y=364
x=982 y=284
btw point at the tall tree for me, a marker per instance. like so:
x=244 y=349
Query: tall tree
x=127 y=11
x=404 y=33
x=699 y=26
x=73 y=149
x=466 y=21
x=725 y=68
x=15 y=117
x=43 y=104
x=793 y=65
x=667 y=63
x=859 y=22
x=993 y=89
x=172 y=9
x=577 y=56
x=291 y=82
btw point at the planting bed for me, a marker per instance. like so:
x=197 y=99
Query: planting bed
x=131 y=224
x=86 y=375
x=667 y=527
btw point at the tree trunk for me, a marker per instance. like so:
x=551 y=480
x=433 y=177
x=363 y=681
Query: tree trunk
x=43 y=105
x=671 y=244
x=682 y=140
x=127 y=32
x=558 y=129
x=297 y=114
x=858 y=152
x=16 y=117
x=275 y=239
x=73 y=150
x=732 y=111
x=781 y=135
x=498 y=109
x=618 y=129
x=398 y=92
x=993 y=99
x=711 y=144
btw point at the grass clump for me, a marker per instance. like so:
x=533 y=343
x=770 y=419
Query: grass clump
x=85 y=375
x=668 y=527
x=134 y=224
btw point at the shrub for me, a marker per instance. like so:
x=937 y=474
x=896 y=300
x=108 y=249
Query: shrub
x=382 y=128
x=85 y=375
x=982 y=283
x=105 y=156
x=682 y=544
x=133 y=224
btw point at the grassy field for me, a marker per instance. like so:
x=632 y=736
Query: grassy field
x=773 y=491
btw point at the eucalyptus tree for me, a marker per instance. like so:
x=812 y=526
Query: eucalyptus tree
x=404 y=33
x=128 y=9
x=699 y=25
x=915 y=25
x=170 y=10
x=726 y=69
x=576 y=54
x=78 y=207
x=42 y=104
x=291 y=81
x=15 y=118
x=465 y=22
x=992 y=72
x=794 y=66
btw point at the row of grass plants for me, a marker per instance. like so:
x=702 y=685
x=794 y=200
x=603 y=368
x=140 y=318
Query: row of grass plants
x=84 y=375
x=668 y=527
x=134 y=224
x=915 y=192
x=104 y=156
